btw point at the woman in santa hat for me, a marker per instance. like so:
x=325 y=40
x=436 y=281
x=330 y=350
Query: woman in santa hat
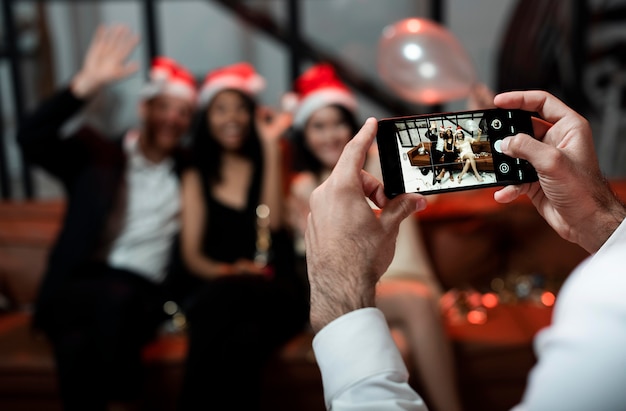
x=245 y=299
x=463 y=145
x=408 y=293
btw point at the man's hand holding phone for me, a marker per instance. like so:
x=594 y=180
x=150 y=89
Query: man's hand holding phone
x=444 y=152
x=564 y=157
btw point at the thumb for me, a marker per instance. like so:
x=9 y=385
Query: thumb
x=521 y=146
x=399 y=208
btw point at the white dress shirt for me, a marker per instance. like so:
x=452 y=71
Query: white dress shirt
x=581 y=355
x=151 y=217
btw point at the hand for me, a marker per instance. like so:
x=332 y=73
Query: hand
x=272 y=125
x=244 y=266
x=105 y=61
x=571 y=194
x=349 y=245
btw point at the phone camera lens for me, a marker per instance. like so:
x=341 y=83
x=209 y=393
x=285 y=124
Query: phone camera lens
x=496 y=124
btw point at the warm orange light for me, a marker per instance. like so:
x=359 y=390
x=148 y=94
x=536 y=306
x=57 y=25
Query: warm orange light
x=474 y=298
x=490 y=300
x=548 y=299
x=476 y=317
x=413 y=25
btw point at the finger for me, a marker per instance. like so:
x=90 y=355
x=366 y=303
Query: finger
x=97 y=41
x=507 y=194
x=354 y=153
x=126 y=47
x=108 y=34
x=130 y=68
x=282 y=120
x=102 y=48
x=264 y=115
x=122 y=42
x=118 y=34
x=543 y=157
x=373 y=189
x=549 y=107
x=99 y=34
x=400 y=208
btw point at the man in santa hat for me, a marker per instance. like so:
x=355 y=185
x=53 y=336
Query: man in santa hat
x=102 y=295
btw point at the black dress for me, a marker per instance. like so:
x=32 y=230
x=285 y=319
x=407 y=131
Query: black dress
x=237 y=322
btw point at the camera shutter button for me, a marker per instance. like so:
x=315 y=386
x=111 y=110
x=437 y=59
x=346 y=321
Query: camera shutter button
x=497 y=145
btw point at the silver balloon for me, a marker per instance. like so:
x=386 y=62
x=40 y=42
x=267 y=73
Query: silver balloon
x=422 y=62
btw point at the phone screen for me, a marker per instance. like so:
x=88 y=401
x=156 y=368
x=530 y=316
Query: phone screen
x=444 y=152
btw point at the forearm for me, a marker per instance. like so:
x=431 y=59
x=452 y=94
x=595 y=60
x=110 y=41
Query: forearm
x=272 y=194
x=44 y=123
x=331 y=299
x=207 y=268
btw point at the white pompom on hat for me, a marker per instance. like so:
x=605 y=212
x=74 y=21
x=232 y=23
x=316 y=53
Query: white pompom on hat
x=239 y=76
x=317 y=87
x=167 y=77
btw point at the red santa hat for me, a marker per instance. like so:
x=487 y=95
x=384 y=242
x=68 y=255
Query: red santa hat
x=239 y=76
x=167 y=77
x=459 y=130
x=317 y=87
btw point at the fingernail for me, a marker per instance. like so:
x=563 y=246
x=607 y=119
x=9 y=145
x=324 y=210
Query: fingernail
x=420 y=204
x=504 y=144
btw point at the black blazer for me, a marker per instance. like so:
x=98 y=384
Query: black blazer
x=90 y=168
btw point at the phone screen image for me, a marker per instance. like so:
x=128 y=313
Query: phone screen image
x=451 y=151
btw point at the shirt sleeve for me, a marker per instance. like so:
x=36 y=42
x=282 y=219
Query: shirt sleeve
x=581 y=357
x=41 y=139
x=361 y=366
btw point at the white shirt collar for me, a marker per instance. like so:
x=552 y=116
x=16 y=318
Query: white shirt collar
x=136 y=159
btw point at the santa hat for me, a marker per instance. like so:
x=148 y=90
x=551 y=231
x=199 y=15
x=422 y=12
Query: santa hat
x=317 y=87
x=167 y=77
x=239 y=76
x=459 y=130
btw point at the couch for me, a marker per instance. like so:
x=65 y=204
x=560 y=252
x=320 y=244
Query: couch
x=420 y=156
x=477 y=247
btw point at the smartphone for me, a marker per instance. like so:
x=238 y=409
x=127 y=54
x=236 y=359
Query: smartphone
x=443 y=152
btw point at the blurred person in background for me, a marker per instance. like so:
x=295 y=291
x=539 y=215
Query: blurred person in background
x=409 y=292
x=245 y=299
x=102 y=294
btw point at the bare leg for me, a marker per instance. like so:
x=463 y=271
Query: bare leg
x=413 y=307
x=462 y=173
x=441 y=173
x=476 y=173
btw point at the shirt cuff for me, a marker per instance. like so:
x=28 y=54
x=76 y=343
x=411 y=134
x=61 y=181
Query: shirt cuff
x=354 y=347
